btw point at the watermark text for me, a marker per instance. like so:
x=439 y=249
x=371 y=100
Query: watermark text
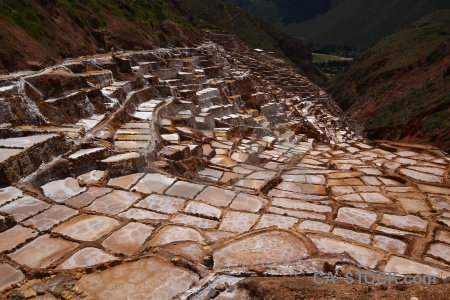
x=374 y=278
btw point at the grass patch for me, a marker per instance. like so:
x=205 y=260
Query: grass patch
x=436 y=121
x=330 y=64
x=430 y=101
x=132 y=29
x=378 y=91
x=18 y=12
x=147 y=12
x=91 y=14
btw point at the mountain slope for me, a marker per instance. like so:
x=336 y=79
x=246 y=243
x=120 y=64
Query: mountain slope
x=399 y=88
x=284 y=11
x=360 y=24
x=354 y=23
x=38 y=33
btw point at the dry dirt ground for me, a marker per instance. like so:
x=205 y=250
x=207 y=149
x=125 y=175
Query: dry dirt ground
x=290 y=288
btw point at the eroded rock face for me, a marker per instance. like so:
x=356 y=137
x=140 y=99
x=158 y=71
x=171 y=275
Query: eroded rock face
x=205 y=162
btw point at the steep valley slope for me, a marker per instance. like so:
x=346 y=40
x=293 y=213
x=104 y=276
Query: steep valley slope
x=399 y=89
x=34 y=34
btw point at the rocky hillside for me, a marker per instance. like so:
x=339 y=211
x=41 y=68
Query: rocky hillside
x=399 y=88
x=39 y=33
x=35 y=34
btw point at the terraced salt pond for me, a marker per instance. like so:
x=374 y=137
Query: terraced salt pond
x=202 y=169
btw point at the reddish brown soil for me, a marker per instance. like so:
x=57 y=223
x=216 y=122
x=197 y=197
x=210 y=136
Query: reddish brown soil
x=19 y=51
x=297 y=288
x=65 y=38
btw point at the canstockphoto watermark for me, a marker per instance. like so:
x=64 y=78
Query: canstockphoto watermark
x=374 y=278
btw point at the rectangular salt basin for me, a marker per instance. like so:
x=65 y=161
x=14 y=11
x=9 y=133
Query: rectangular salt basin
x=25 y=142
x=132 y=137
x=133 y=131
x=84 y=152
x=7 y=153
x=135 y=126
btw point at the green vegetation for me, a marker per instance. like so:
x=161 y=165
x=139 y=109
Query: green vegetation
x=267 y=10
x=284 y=11
x=331 y=49
x=18 y=12
x=317 y=57
x=360 y=24
x=77 y=10
x=436 y=121
x=146 y=12
x=396 y=53
x=349 y=25
x=416 y=105
x=330 y=65
x=92 y=13
x=402 y=80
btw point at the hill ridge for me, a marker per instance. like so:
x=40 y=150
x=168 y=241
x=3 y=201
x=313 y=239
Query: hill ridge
x=340 y=24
